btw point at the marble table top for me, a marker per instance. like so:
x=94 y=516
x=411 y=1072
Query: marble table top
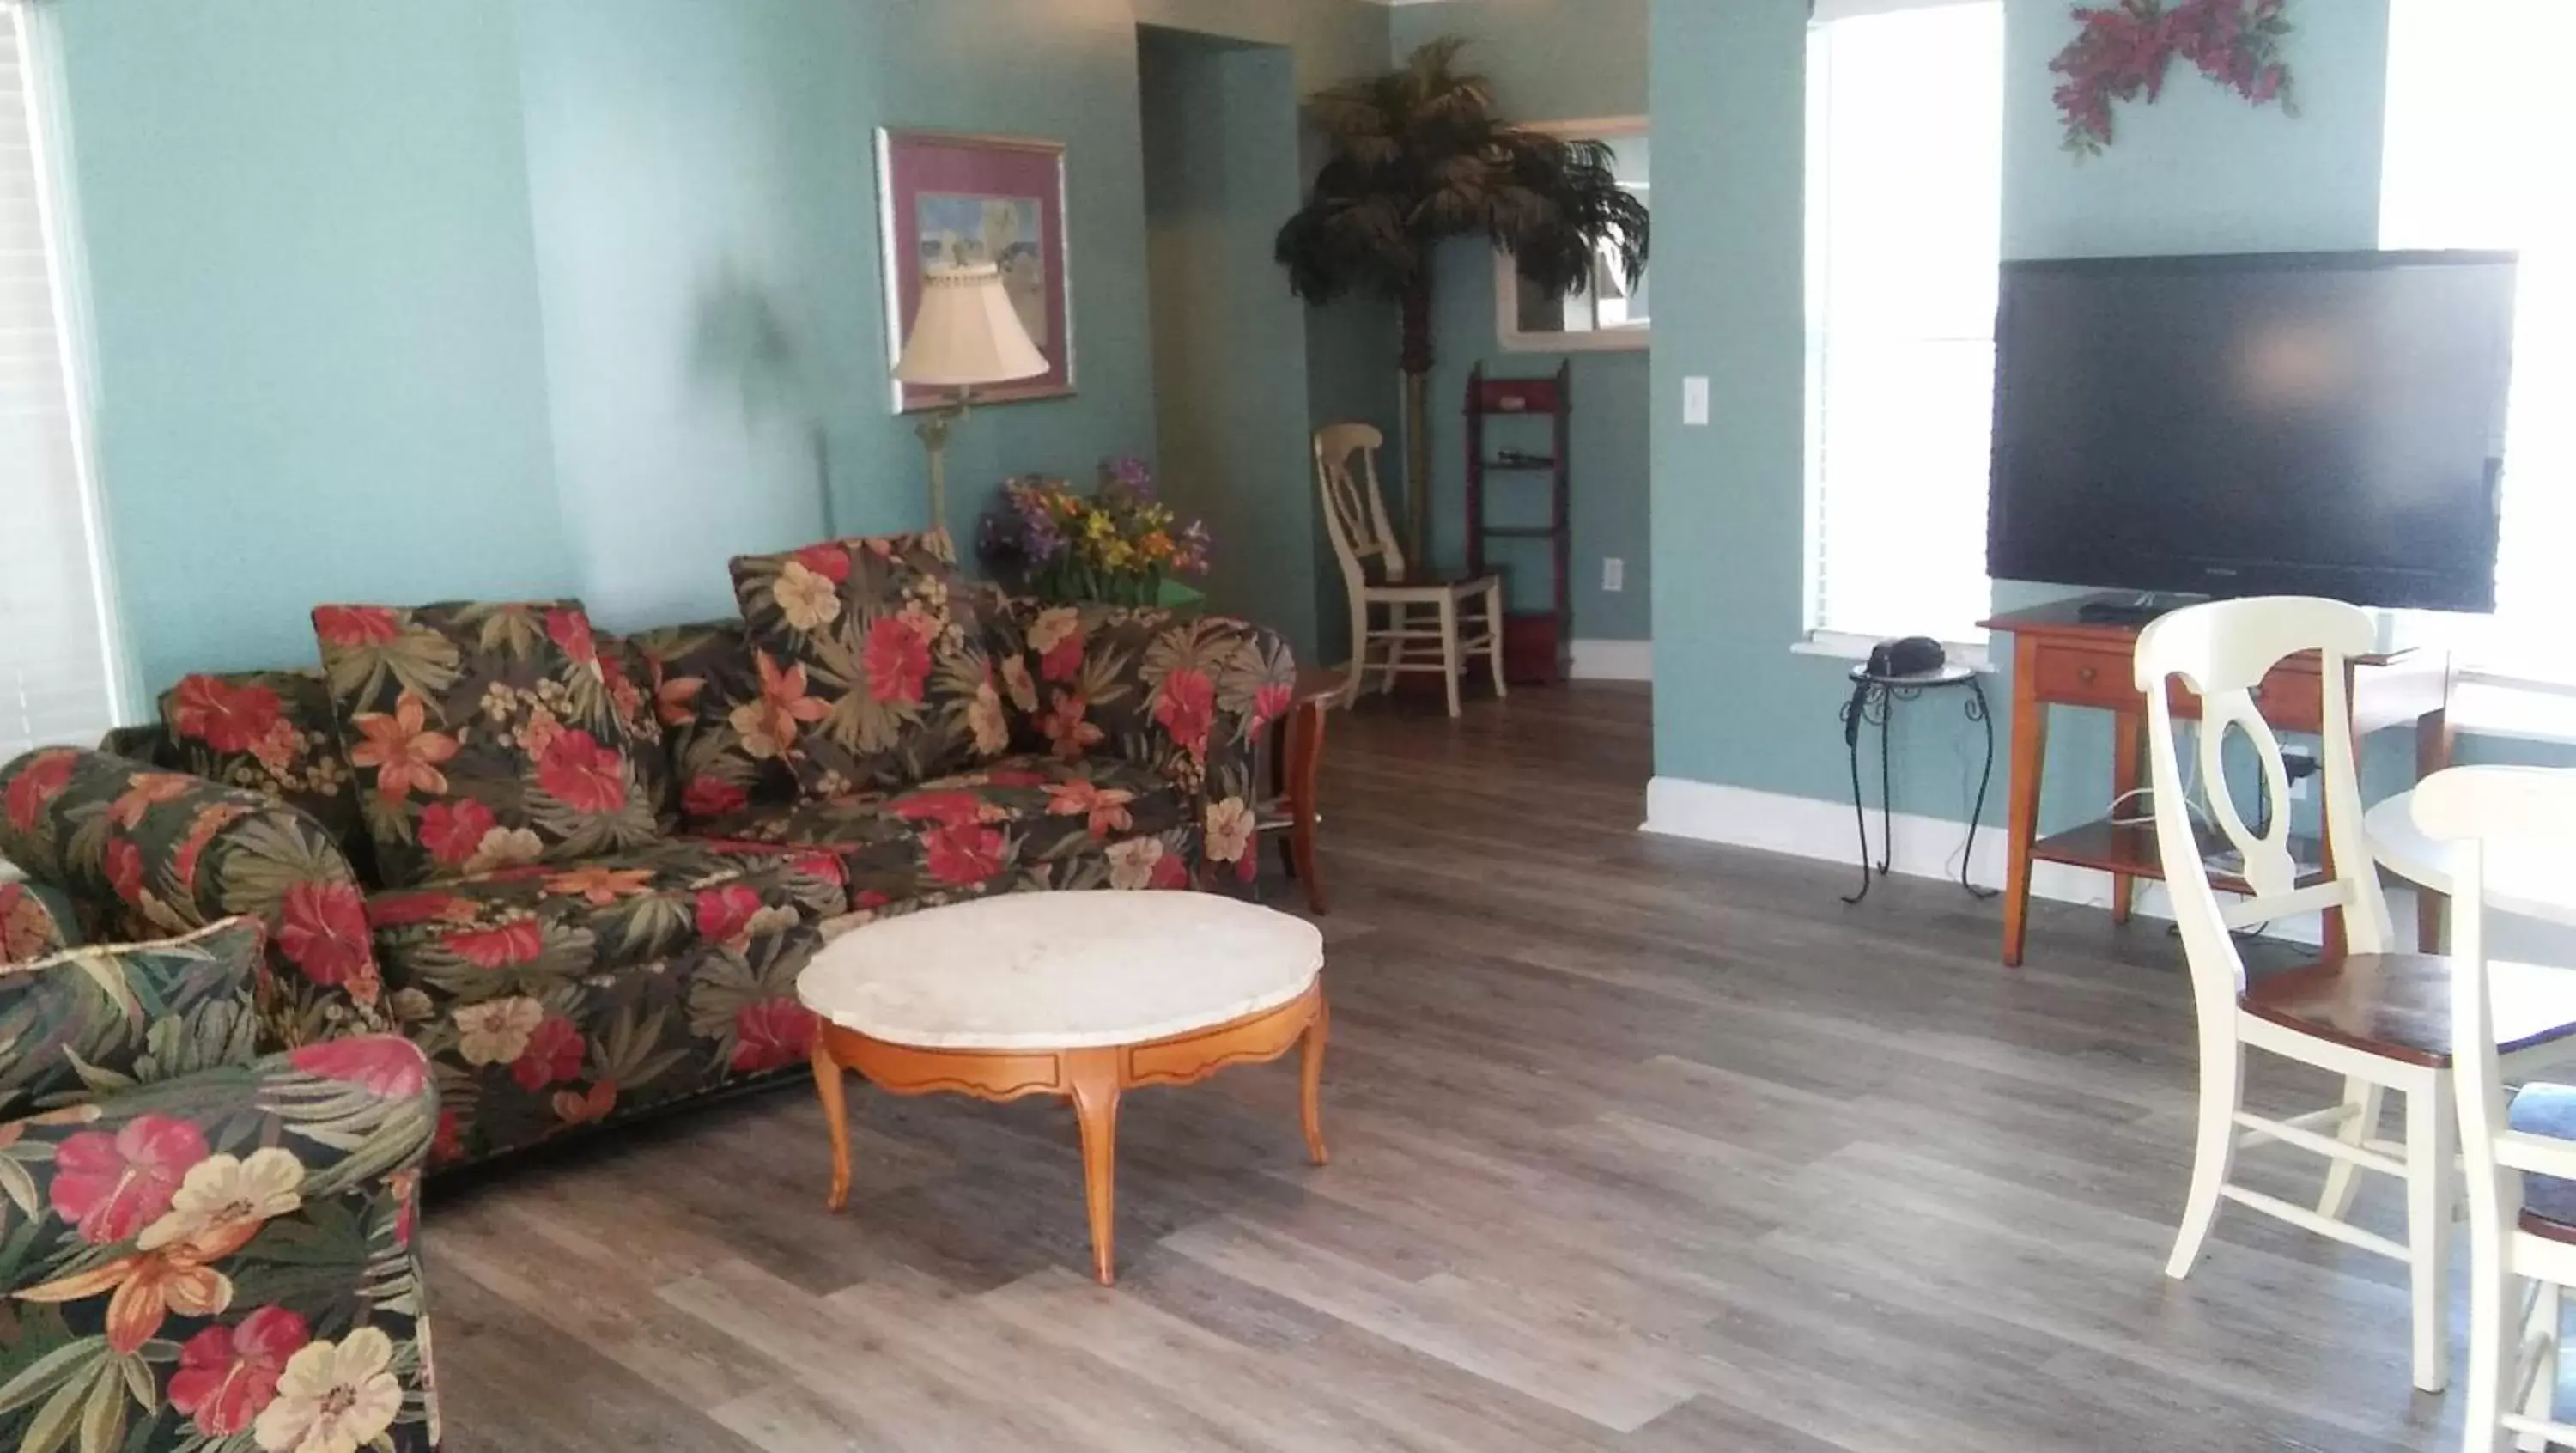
x=1072 y=970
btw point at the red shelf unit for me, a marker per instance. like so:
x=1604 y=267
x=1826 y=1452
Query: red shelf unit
x=1537 y=645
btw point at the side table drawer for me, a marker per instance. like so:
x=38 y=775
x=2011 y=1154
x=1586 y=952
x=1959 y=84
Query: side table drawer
x=2074 y=676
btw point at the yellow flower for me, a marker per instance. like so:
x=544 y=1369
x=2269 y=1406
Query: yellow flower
x=807 y=598
x=223 y=1203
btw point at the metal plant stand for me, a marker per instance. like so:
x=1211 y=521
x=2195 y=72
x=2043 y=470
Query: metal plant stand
x=1873 y=702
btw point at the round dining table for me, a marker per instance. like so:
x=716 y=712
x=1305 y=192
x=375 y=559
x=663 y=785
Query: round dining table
x=2533 y=884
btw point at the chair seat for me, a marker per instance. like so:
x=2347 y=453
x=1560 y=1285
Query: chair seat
x=2399 y=1005
x=2548 y=1204
x=1432 y=585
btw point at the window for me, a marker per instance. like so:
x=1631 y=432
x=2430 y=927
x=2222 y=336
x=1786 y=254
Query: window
x=1904 y=236
x=2480 y=126
x=59 y=677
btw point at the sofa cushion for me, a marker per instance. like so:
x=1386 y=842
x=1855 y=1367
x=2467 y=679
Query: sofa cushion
x=37 y=921
x=874 y=668
x=628 y=669
x=706 y=692
x=273 y=732
x=536 y=923
x=483 y=735
x=1023 y=822
x=96 y=1019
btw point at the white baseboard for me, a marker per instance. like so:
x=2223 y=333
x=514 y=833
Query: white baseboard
x=1614 y=660
x=1926 y=847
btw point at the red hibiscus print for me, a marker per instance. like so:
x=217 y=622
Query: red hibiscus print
x=112 y=1186
x=725 y=912
x=447 y=1143
x=1016 y=777
x=570 y=629
x=124 y=864
x=573 y=1107
x=1067 y=727
x=322 y=930
x=1170 y=872
x=1063 y=660
x=898 y=662
x=201 y=833
x=453 y=830
x=1187 y=709
x=771 y=1035
x=228 y=1374
x=37 y=785
x=1270 y=703
x=583 y=775
x=964 y=853
x=27 y=927
x=225 y=717
x=386 y=1066
x=553 y=1055
x=832 y=562
x=354 y=626
x=707 y=797
x=518 y=941
x=952 y=809
x=404 y=910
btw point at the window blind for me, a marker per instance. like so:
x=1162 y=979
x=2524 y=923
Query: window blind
x=1904 y=236
x=58 y=677
x=2480 y=127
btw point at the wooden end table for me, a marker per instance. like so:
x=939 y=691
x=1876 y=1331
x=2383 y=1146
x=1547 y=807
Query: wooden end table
x=1083 y=995
x=1296 y=757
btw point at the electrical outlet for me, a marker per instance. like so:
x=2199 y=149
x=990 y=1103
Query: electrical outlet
x=1695 y=402
x=1614 y=574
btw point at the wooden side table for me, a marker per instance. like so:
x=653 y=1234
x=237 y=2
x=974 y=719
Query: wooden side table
x=1296 y=750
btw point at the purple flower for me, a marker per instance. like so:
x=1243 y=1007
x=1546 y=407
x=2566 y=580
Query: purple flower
x=1134 y=475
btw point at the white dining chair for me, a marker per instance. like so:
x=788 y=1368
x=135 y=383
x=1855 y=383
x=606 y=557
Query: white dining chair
x=2376 y=1017
x=1375 y=574
x=2520 y=1161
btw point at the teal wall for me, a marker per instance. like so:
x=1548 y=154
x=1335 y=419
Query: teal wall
x=499 y=297
x=1550 y=61
x=1221 y=154
x=2199 y=171
x=321 y=372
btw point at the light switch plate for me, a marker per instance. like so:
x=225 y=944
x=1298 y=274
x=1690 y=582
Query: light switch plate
x=1614 y=574
x=1695 y=401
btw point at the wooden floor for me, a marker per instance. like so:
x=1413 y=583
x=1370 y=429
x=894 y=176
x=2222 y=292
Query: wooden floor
x=1637 y=1144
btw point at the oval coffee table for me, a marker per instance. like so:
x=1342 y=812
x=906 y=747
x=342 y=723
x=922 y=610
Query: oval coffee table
x=1080 y=994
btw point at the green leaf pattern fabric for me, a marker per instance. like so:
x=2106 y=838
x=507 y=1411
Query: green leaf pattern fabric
x=483 y=736
x=93 y=1021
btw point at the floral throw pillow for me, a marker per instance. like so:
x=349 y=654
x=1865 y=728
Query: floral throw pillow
x=483 y=736
x=272 y=732
x=95 y=1020
x=874 y=670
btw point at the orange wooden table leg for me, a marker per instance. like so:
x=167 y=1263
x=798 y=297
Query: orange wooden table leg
x=1093 y=1074
x=1310 y=1089
x=829 y=1087
x=2021 y=819
x=2128 y=749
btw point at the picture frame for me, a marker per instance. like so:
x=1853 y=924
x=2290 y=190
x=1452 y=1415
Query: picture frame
x=975 y=198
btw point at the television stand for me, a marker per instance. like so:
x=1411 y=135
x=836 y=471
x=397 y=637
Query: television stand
x=2140 y=609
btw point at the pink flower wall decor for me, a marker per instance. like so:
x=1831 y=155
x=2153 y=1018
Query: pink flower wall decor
x=2121 y=50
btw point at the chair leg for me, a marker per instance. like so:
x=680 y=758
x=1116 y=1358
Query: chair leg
x=2432 y=1144
x=2540 y=1400
x=1449 y=650
x=2364 y=1100
x=2222 y=1088
x=1494 y=628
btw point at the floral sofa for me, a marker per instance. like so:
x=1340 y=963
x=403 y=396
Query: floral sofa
x=200 y=1247
x=620 y=927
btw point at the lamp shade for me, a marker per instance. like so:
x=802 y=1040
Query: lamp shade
x=967 y=333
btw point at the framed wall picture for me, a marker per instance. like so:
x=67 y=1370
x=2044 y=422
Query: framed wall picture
x=951 y=199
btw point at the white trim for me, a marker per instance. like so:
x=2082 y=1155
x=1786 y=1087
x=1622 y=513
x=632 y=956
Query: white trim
x=1614 y=660
x=1926 y=847
x=1844 y=646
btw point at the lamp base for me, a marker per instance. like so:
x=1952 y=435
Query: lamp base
x=934 y=430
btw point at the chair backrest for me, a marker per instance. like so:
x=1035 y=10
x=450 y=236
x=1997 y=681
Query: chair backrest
x=2481 y=809
x=1354 y=507
x=2221 y=652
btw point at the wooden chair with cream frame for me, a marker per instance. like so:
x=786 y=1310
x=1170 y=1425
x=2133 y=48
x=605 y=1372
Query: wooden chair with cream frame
x=2378 y=1018
x=1355 y=513
x=2520 y=1155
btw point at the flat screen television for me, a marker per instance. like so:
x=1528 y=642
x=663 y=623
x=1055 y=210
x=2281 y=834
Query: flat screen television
x=2290 y=423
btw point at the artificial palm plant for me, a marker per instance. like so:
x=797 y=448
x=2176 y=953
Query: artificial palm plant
x=1419 y=157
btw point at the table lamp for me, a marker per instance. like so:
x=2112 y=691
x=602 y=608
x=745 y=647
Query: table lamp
x=966 y=334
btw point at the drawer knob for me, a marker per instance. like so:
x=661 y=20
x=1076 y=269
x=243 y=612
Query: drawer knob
x=2084 y=673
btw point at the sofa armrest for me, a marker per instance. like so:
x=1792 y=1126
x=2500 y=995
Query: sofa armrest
x=148 y=853
x=256 y=1214
x=1187 y=694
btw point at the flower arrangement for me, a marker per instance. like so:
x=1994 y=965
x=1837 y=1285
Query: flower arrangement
x=2121 y=51
x=1120 y=544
